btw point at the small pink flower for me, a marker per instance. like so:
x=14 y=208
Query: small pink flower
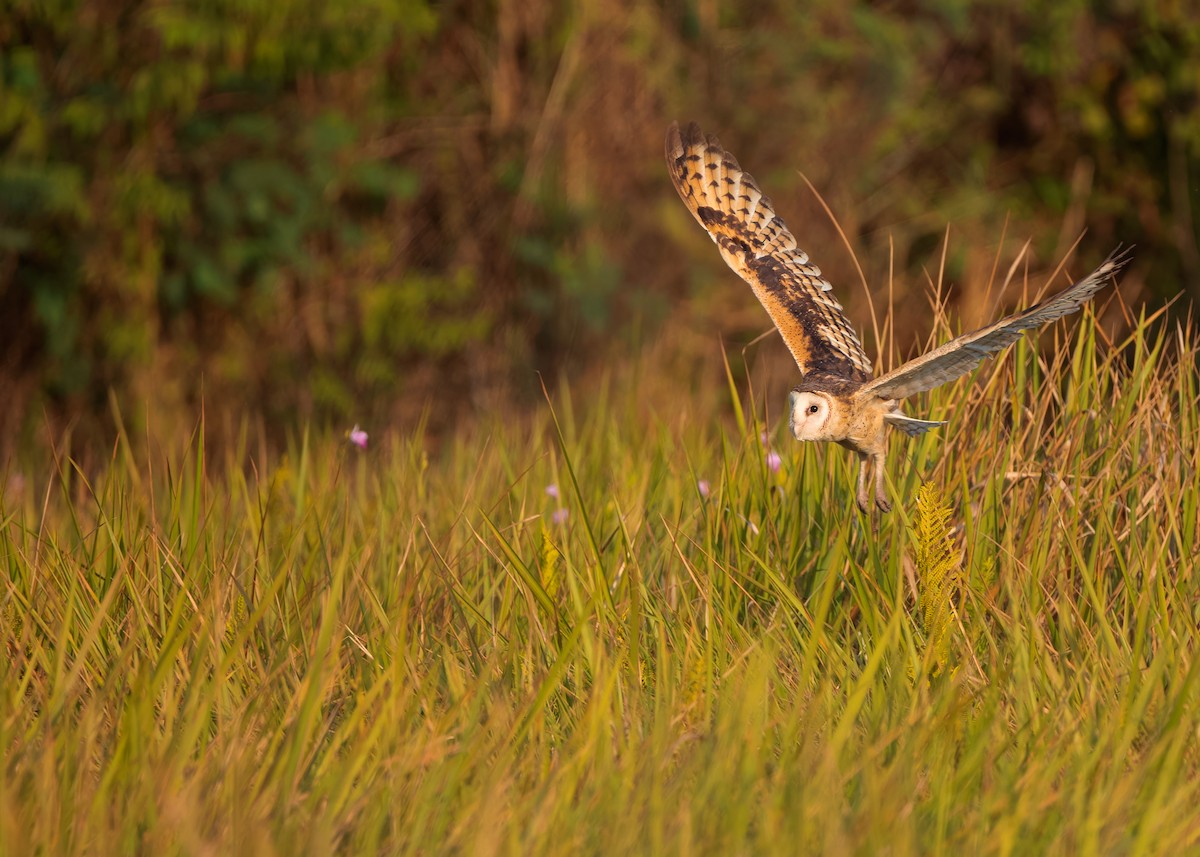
x=704 y=488
x=358 y=437
x=552 y=490
x=559 y=517
x=774 y=462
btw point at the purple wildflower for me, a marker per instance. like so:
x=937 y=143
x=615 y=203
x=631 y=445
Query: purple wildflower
x=559 y=516
x=704 y=488
x=358 y=437
x=774 y=462
x=552 y=490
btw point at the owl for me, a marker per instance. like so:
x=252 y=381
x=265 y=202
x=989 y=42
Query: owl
x=837 y=399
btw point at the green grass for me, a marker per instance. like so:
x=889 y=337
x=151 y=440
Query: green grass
x=389 y=652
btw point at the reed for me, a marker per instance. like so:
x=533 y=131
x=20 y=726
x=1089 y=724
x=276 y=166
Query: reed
x=333 y=651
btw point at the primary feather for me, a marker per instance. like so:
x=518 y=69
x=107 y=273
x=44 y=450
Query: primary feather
x=758 y=246
x=959 y=356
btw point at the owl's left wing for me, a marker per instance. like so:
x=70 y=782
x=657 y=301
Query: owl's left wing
x=758 y=246
x=959 y=356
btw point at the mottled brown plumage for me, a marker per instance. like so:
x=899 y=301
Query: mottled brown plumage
x=758 y=246
x=836 y=399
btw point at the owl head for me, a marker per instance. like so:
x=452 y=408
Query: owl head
x=811 y=414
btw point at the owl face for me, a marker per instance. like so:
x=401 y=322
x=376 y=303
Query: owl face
x=810 y=414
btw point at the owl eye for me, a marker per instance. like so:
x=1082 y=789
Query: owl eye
x=812 y=409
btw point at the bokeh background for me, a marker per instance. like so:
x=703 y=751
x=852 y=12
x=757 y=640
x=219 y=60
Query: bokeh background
x=394 y=211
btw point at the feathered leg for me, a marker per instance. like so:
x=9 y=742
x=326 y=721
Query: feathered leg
x=881 y=499
x=864 y=473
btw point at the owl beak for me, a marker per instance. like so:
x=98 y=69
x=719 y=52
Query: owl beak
x=793 y=398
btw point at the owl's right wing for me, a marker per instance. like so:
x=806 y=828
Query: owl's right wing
x=758 y=246
x=959 y=356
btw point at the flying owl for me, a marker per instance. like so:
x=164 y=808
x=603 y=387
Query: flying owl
x=837 y=398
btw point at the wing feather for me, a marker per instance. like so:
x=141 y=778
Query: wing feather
x=757 y=245
x=959 y=356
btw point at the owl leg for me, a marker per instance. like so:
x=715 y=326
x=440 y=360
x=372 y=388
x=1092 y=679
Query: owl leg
x=881 y=499
x=864 y=474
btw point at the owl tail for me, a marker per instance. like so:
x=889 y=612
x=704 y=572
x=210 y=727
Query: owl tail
x=910 y=425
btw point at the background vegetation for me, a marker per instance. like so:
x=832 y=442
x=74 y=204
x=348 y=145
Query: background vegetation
x=626 y=615
x=606 y=630
x=360 y=210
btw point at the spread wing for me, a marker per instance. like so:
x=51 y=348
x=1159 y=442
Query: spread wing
x=759 y=247
x=959 y=356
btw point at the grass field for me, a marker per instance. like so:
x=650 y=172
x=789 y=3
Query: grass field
x=337 y=651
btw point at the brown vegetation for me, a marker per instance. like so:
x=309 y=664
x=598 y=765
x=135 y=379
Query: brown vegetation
x=371 y=211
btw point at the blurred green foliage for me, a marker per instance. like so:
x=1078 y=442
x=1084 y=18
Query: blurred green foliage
x=345 y=207
x=169 y=170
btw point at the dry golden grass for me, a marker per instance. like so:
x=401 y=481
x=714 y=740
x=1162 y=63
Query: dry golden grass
x=385 y=652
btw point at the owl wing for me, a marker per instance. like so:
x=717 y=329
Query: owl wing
x=759 y=247
x=959 y=356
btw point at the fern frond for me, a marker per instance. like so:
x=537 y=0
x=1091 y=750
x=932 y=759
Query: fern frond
x=938 y=573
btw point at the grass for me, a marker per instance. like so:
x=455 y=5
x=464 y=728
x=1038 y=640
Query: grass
x=335 y=652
